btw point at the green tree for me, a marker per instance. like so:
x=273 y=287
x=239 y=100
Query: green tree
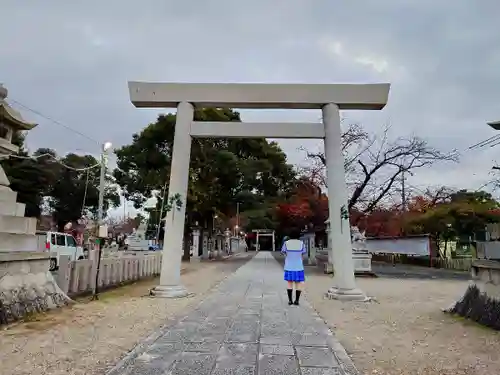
x=74 y=191
x=27 y=178
x=461 y=214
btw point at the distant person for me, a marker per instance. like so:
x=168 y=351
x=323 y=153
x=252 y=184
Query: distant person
x=293 y=249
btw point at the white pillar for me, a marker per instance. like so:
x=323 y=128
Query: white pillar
x=274 y=244
x=343 y=266
x=170 y=277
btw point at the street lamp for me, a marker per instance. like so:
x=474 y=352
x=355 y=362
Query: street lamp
x=100 y=213
x=494 y=124
x=104 y=162
x=213 y=222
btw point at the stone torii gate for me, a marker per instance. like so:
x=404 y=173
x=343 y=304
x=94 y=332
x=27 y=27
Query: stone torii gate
x=329 y=98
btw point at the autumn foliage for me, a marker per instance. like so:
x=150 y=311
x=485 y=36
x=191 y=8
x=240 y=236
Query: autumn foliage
x=306 y=206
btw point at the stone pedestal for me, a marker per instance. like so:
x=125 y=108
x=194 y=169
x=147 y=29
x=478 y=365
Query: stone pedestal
x=169 y=291
x=362 y=263
x=17 y=233
x=27 y=286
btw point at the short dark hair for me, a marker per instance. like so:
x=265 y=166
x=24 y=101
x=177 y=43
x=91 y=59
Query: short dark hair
x=294 y=234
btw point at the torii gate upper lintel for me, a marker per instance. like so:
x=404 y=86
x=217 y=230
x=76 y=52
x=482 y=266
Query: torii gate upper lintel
x=330 y=98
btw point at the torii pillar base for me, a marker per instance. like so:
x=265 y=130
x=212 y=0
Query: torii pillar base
x=174 y=291
x=347 y=295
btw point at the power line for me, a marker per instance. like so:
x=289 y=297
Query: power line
x=54 y=121
x=491 y=141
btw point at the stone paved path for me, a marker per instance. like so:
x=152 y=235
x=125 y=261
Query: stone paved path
x=243 y=327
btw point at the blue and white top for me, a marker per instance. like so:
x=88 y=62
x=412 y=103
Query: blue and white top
x=293 y=249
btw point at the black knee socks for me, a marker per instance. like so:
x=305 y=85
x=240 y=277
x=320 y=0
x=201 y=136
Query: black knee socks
x=289 y=292
x=297 y=297
x=290 y=298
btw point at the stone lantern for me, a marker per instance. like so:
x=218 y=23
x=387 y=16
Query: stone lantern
x=362 y=259
x=26 y=285
x=11 y=212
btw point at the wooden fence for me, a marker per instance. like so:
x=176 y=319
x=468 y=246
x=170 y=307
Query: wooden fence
x=78 y=277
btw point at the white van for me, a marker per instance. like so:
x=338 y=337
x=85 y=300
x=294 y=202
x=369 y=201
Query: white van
x=59 y=244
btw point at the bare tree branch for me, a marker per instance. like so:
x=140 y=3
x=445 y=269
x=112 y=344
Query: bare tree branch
x=373 y=165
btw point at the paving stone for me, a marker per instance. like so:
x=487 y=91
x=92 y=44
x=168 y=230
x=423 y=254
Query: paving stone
x=271 y=364
x=277 y=349
x=244 y=370
x=193 y=363
x=320 y=371
x=241 y=319
x=281 y=339
x=234 y=355
x=243 y=334
x=202 y=347
x=316 y=357
x=147 y=364
x=310 y=339
x=176 y=335
x=160 y=347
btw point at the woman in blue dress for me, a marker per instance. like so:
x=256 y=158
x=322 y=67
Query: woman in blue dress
x=294 y=249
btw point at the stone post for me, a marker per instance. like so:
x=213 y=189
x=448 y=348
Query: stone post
x=309 y=243
x=170 y=276
x=205 y=250
x=344 y=282
x=196 y=243
x=312 y=256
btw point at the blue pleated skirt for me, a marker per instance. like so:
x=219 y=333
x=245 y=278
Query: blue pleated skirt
x=295 y=276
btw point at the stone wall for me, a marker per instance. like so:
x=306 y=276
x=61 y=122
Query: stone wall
x=27 y=286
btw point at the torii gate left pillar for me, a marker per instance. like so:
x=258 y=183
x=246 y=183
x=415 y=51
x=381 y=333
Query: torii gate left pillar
x=329 y=98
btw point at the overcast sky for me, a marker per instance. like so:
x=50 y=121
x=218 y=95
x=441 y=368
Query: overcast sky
x=72 y=60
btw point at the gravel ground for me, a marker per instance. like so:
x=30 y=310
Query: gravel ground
x=404 y=331
x=89 y=337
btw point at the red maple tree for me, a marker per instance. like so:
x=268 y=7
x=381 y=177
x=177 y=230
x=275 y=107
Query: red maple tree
x=307 y=206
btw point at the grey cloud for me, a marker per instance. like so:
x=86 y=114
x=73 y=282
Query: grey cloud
x=72 y=61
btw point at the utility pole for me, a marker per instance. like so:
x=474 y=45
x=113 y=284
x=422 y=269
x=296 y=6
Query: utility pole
x=403 y=191
x=100 y=213
x=124 y=209
x=161 y=212
x=237 y=227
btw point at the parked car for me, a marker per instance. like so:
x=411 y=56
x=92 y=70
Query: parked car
x=59 y=244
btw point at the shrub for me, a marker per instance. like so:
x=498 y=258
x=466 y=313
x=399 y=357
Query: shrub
x=477 y=306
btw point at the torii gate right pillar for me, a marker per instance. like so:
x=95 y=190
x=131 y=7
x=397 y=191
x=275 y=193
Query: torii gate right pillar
x=344 y=286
